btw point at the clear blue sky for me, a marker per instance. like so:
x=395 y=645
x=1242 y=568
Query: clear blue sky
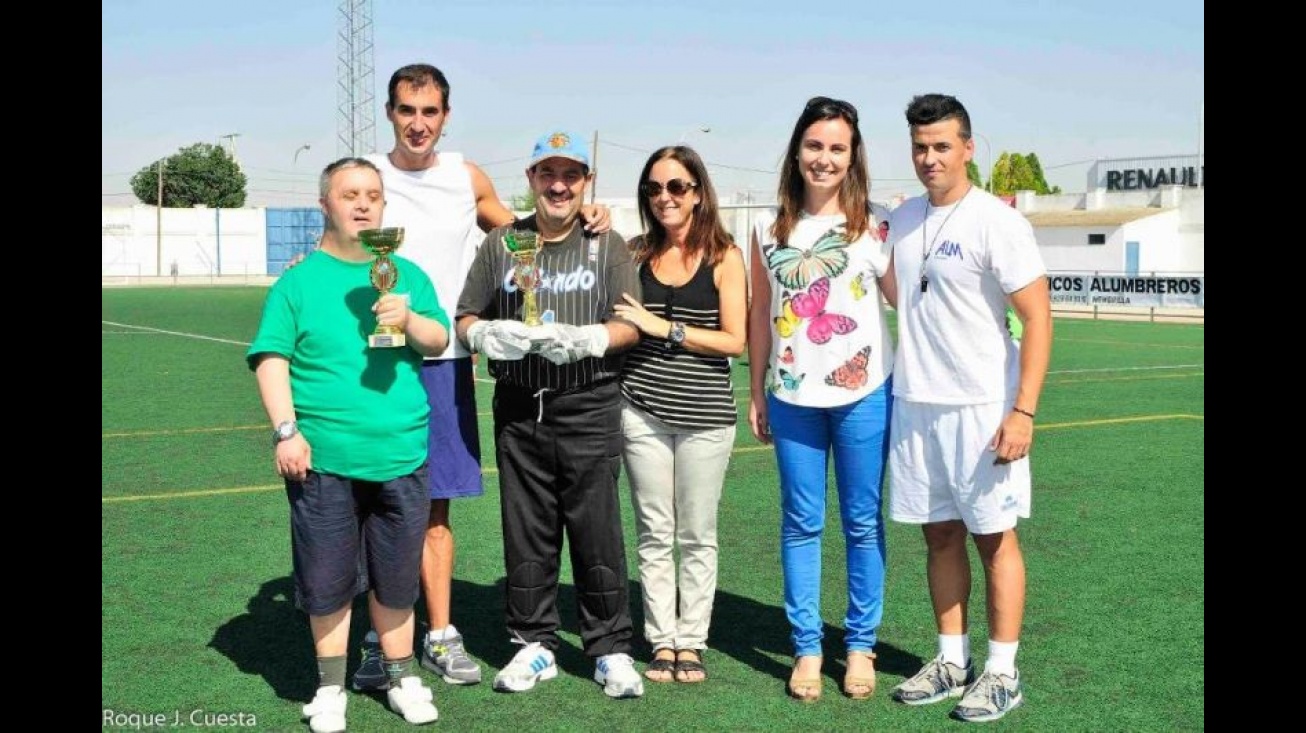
x=1072 y=81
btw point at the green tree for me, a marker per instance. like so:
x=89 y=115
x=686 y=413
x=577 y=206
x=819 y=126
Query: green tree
x=1016 y=172
x=1039 y=178
x=1022 y=176
x=973 y=173
x=199 y=174
x=1000 y=180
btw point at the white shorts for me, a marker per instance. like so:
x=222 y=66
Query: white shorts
x=941 y=468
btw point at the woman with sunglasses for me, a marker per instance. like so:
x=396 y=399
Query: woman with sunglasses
x=679 y=411
x=820 y=358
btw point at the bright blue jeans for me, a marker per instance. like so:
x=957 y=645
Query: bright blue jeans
x=858 y=437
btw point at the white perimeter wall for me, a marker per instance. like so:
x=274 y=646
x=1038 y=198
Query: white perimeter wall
x=233 y=242
x=199 y=241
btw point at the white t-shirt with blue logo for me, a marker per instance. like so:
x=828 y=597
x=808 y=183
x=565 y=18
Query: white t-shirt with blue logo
x=953 y=344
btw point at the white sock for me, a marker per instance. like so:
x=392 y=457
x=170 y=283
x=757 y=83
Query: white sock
x=1002 y=658
x=442 y=634
x=955 y=649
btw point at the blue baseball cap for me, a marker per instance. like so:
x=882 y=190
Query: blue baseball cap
x=560 y=144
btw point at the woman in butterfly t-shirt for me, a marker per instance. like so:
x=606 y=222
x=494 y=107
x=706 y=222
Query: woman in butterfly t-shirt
x=820 y=359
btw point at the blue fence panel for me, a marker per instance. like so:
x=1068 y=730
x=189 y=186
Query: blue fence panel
x=291 y=232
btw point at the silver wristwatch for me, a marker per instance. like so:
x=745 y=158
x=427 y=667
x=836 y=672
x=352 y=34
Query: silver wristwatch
x=677 y=333
x=285 y=431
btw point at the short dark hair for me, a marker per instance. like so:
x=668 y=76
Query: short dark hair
x=418 y=76
x=927 y=109
x=324 y=182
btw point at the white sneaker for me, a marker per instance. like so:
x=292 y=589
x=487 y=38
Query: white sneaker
x=411 y=699
x=326 y=714
x=528 y=666
x=616 y=672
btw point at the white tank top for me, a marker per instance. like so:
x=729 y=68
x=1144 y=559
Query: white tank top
x=437 y=209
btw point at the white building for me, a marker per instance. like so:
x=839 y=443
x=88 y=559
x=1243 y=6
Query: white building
x=1130 y=233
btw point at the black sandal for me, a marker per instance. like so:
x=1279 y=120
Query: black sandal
x=661 y=664
x=690 y=665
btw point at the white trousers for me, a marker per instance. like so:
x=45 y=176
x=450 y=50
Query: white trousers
x=675 y=486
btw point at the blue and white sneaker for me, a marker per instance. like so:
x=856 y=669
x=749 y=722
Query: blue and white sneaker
x=616 y=672
x=992 y=696
x=528 y=666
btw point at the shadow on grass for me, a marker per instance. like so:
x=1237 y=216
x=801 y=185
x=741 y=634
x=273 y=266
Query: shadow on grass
x=749 y=631
x=755 y=634
x=272 y=639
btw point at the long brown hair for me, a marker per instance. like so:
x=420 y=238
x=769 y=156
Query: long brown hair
x=706 y=233
x=854 y=192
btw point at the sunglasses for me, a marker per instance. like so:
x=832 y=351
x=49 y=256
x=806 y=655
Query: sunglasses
x=675 y=187
x=831 y=106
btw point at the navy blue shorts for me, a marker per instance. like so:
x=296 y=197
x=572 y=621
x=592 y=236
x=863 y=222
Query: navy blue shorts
x=332 y=518
x=455 y=443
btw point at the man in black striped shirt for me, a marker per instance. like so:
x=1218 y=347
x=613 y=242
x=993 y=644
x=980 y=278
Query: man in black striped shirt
x=557 y=421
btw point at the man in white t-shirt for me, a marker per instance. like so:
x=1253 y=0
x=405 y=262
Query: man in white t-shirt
x=964 y=402
x=445 y=204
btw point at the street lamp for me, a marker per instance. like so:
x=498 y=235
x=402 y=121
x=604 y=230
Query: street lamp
x=988 y=180
x=231 y=138
x=294 y=162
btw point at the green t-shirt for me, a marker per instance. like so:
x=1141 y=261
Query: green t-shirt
x=363 y=410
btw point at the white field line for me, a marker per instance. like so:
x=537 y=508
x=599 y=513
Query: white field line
x=182 y=334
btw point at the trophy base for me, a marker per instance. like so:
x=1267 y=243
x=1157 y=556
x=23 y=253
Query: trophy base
x=386 y=340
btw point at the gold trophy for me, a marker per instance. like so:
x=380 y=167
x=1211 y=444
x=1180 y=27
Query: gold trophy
x=523 y=246
x=382 y=243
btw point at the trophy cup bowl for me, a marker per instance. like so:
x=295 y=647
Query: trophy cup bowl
x=523 y=246
x=381 y=243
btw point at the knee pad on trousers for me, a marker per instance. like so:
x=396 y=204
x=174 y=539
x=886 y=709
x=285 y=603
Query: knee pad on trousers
x=603 y=592
x=525 y=588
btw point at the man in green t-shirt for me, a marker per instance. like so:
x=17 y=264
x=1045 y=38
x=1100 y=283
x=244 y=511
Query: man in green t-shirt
x=350 y=438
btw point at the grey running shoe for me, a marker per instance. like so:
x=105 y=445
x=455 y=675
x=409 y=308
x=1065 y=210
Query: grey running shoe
x=371 y=676
x=449 y=659
x=989 y=698
x=938 y=680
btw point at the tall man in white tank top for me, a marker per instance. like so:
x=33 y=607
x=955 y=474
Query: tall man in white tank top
x=444 y=203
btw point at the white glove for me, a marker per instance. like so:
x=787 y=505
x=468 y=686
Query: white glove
x=499 y=340
x=572 y=343
x=543 y=334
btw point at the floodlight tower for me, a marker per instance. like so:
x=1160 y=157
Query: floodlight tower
x=355 y=80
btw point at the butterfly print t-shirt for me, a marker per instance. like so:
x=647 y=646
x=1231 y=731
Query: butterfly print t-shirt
x=830 y=344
